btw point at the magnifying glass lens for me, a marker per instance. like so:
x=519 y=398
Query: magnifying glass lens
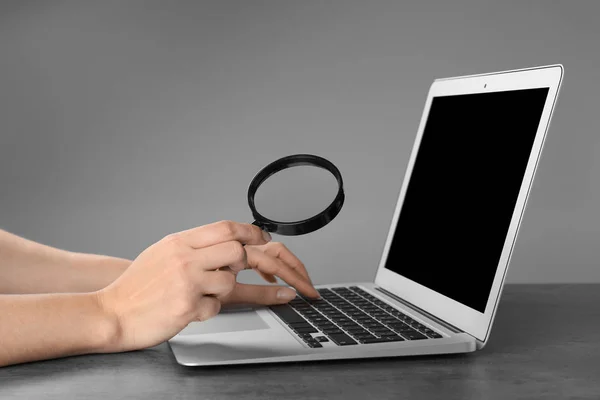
x=296 y=193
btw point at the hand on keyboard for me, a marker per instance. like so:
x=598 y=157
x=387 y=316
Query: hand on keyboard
x=270 y=260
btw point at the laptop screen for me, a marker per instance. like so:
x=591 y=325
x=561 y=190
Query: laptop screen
x=462 y=192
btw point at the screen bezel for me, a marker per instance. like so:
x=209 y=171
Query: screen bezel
x=467 y=319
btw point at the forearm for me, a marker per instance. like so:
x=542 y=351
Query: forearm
x=39 y=327
x=30 y=267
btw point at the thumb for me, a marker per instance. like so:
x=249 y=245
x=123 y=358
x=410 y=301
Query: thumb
x=260 y=294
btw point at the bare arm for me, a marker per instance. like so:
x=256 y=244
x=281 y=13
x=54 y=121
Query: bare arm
x=28 y=267
x=182 y=278
x=44 y=326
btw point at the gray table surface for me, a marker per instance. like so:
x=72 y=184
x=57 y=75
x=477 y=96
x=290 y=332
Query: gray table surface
x=545 y=344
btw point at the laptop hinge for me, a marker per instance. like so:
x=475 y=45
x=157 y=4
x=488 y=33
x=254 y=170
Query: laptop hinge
x=420 y=310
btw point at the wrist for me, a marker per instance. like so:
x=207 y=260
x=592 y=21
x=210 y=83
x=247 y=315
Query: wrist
x=107 y=328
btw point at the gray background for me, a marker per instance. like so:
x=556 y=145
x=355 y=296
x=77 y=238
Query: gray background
x=121 y=122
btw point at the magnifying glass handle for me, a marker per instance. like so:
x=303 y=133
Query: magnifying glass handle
x=263 y=226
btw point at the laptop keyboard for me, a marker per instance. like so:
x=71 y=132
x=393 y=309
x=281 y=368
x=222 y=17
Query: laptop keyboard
x=349 y=316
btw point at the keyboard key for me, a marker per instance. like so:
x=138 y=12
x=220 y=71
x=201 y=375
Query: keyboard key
x=301 y=305
x=386 y=339
x=413 y=335
x=394 y=338
x=328 y=312
x=329 y=331
x=309 y=312
x=314 y=344
x=299 y=324
x=399 y=325
x=382 y=332
x=402 y=330
x=369 y=312
x=355 y=312
x=371 y=325
x=366 y=319
x=362 y=336
x=379 y=317
x=321 y=339
x=372 y=340
x=304 y=329
x=341 y=339
x=358 y=334
x=378 y=340
x=356 y=329
x=287 y=314
x=325 y=324
x=348 y=324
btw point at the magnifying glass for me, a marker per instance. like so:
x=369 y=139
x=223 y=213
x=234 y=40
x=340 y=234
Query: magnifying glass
x=295 y=195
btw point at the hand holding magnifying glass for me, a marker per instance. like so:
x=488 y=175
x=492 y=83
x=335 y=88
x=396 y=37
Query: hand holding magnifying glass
x=298 y=194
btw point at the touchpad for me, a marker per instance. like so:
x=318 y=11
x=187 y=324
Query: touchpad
x=233 y=321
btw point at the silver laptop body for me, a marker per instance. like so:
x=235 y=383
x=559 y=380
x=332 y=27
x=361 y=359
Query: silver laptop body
x=433 y=294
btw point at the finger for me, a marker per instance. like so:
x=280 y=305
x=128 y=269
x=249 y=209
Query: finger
x=217 y=283
x=259 y=294
x=223 y=231
x=279 y=250
x=227 y=269
x=228 y=254
x=274 y=266
x=267 y=277
x=208 y=307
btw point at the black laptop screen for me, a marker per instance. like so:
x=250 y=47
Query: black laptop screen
x=463 y=190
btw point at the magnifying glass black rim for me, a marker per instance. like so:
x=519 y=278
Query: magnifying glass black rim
x=306 y=225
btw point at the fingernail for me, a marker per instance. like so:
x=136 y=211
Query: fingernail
x=286 y=294
x=266 y=236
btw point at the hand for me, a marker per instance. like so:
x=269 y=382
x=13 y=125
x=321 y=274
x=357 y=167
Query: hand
x=270 y=260
x=181 y=278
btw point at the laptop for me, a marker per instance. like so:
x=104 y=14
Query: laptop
x=449 y=244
